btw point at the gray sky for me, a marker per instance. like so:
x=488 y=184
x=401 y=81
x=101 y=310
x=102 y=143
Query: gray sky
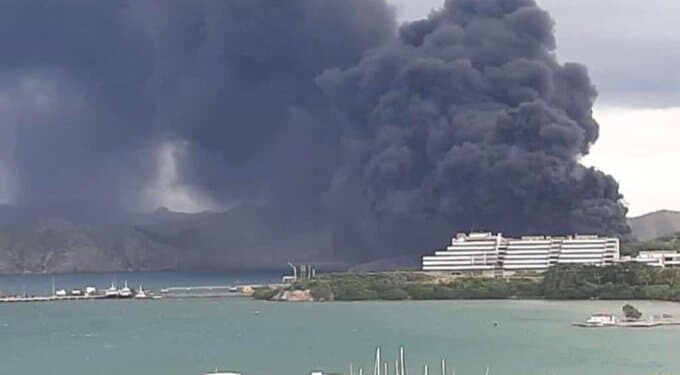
x=632 y=49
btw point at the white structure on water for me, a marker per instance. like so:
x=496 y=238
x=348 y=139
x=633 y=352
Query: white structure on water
x=493 y=254
x=602 y=320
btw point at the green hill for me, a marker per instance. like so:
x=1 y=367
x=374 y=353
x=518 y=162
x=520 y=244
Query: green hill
x=245 y=237
x=60 y=246
x=655 y=224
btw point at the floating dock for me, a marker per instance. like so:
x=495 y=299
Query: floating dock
x=638 y=324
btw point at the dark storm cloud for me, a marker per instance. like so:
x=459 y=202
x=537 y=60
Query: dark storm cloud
x=469 y=122
x=319 y=108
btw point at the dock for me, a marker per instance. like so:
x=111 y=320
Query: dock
x=305 y=272
x=177 y=292
x=18 y=299
x=632 y=324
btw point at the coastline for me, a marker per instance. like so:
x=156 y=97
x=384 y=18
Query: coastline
x=576 y=283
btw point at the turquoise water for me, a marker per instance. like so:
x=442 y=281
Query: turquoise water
x=191 y=337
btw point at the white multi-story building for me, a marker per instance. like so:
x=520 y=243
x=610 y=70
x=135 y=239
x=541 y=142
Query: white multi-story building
x=530 y=253
x=486 y=253
x=592 y=250
x=473 y=253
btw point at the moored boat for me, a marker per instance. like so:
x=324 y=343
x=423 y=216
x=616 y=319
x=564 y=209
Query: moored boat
x=602 y=320
x=141 y=294
x=218 y=372
x=126 y=292
x=112 y=291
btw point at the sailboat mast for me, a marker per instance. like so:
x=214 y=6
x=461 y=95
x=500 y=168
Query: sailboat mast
x=378 y=362
x=401 y=361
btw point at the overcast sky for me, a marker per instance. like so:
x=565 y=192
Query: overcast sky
x=632 y=49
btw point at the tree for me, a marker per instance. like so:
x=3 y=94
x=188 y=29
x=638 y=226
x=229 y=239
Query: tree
x=630 y=312
x=322 y=292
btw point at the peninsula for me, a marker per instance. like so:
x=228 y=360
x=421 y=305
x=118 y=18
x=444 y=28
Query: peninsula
x=622 y=281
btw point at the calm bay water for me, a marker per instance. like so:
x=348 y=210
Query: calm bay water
x=187 y=337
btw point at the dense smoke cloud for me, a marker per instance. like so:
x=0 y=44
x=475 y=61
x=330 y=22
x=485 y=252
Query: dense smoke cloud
x=321 y=109
x=469 y=122
x=91 y=92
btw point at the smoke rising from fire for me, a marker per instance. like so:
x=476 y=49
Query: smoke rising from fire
x=321 y=110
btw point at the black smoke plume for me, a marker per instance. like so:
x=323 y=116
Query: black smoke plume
x=468 y=121
x=91 y=91
x=321 y=110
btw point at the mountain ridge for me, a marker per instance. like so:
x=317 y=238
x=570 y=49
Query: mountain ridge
x=654 y=224
x=244 y=237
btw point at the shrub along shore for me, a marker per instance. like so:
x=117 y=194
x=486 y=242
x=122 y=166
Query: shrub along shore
x=618 y=282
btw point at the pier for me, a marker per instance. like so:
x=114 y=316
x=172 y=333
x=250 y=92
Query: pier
x=18 y=299
x=88 y=293
x=633 y=324
x=177 y=292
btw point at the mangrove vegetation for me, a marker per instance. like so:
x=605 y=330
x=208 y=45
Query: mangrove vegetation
x=622 y=281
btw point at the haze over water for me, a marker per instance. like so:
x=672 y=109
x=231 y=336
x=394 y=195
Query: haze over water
x=186 y=337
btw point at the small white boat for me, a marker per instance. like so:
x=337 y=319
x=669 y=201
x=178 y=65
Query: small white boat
x=112 y=292
x=125 y=292
x=602 y=320
x=218 y=372
x=141 y=294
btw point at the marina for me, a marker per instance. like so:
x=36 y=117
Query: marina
x=113 y=292
x=91 y=293
x=81 y=287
